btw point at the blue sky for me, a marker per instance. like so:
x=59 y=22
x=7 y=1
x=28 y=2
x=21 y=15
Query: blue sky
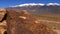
x=6 y=3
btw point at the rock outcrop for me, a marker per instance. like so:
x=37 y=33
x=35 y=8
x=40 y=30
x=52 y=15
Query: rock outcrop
x=3 y=27
x=21 y=22
x=2 y=13
x=3 y=24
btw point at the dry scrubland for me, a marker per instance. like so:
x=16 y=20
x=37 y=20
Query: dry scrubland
x=51 y=20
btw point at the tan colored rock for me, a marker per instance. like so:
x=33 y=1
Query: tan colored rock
x=3 y=24
x=3 y=27
x=21 y=22
x=2 y=13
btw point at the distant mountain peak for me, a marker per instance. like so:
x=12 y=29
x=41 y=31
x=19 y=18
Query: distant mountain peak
x=33 y=4
x=53 y=4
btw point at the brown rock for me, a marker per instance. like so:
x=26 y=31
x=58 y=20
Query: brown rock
x=2 y=13
x=3 y=27
x=21 y=22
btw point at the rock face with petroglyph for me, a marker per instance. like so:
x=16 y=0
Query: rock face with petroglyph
x=21 y=22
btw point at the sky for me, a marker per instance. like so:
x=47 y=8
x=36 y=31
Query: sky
x=7 y=3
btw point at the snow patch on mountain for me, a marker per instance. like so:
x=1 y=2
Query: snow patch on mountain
x=29 y=4
x=53 y=4
x=33 y=4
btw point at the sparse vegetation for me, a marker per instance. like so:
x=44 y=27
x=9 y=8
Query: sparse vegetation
x=51 y=17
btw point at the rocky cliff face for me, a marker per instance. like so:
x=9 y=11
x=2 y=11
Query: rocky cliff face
x=22 y=22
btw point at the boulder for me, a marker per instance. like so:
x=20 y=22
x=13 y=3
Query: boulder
x=22 y=22
x=2 y=13
x=3 y=27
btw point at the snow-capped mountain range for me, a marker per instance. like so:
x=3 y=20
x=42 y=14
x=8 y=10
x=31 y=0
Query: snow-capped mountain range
x=32 y=4
x=39 y=8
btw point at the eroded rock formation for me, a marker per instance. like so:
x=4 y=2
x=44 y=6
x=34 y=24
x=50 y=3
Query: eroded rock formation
x=22 y=22
x=3 y=24
x=2 y=13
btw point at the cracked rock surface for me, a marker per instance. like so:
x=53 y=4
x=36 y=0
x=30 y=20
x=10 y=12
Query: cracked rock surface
x=21 y=22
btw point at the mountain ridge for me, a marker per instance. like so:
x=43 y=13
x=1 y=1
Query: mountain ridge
x=32 y=4
x=39 y=9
